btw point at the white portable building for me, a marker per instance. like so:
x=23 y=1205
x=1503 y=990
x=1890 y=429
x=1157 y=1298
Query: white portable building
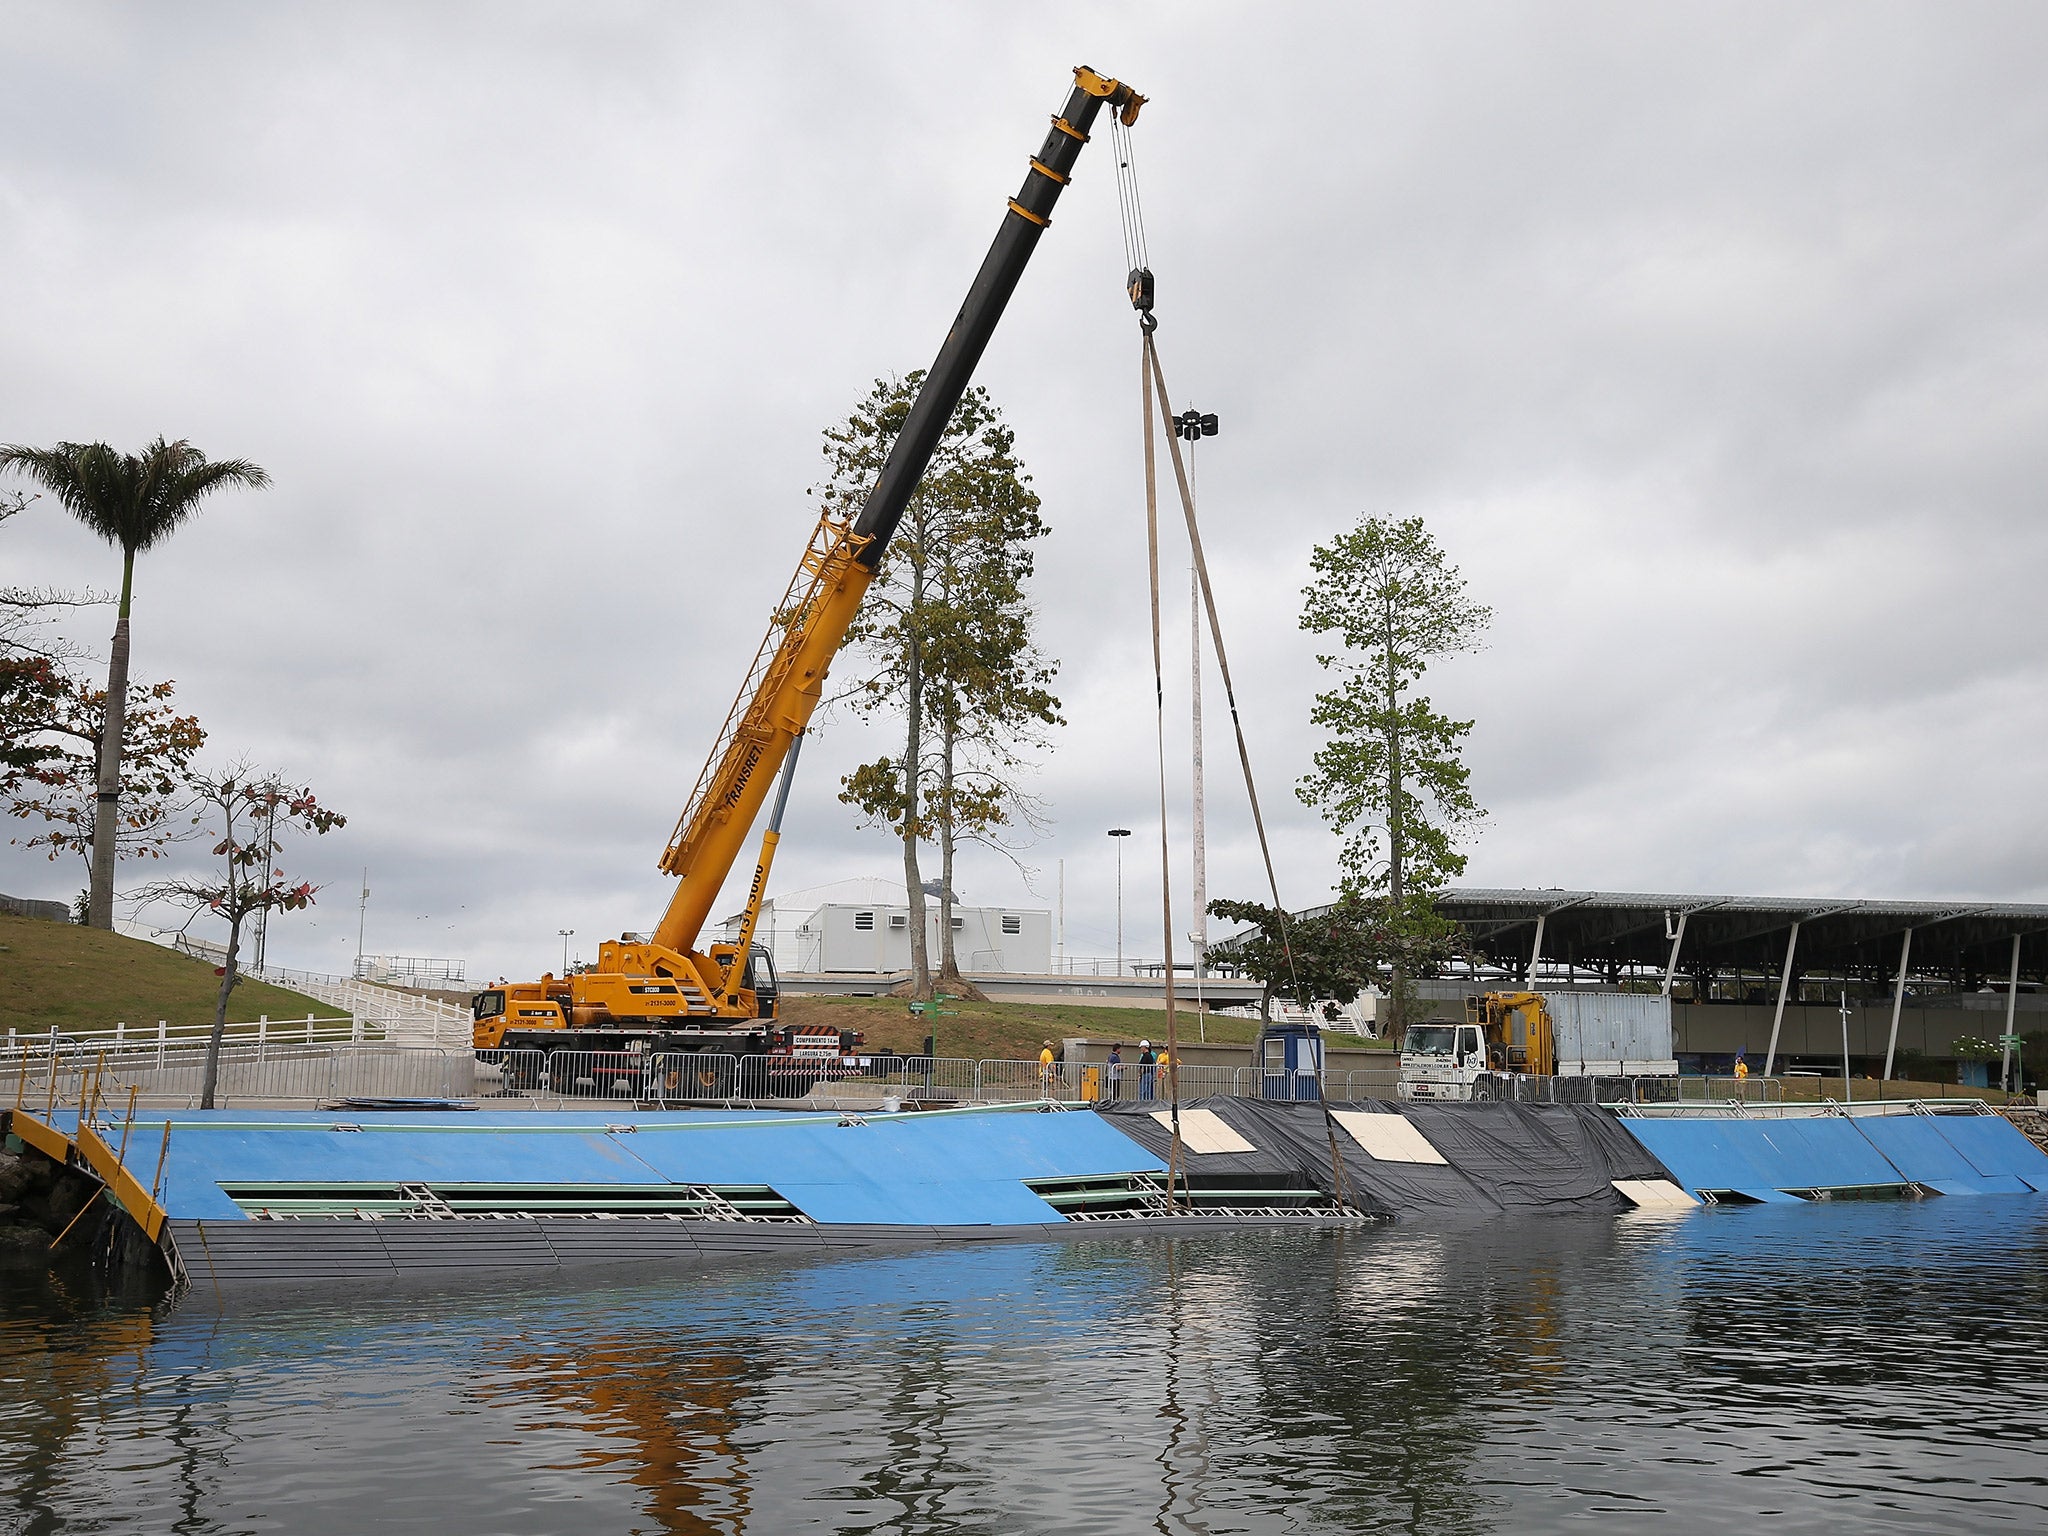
x=874 y=937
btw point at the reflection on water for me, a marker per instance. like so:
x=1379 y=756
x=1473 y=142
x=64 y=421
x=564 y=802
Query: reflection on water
x=1818 y=1368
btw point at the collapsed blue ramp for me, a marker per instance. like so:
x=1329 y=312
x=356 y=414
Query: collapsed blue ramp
x=1762 y=1160
x=1827 y=1153
x=1767 y=1159
x=963 y=1168
x=1997 y=1149
x=1921 y=1149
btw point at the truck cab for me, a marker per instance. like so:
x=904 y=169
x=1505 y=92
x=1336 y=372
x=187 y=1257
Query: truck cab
x=1442 y=1061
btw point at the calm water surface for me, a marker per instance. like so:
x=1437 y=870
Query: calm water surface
x=1833 y=1368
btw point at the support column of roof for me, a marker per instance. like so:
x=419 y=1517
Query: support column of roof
x=1784 y=984
x=1898 y=1001
x=1678 y=938
x=2012 y=998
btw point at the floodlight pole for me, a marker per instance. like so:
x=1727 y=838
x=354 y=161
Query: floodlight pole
x=1119 y=833
x=1848 y=1093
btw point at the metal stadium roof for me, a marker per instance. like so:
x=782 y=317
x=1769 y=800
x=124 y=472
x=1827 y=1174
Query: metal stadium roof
x=1968 y=943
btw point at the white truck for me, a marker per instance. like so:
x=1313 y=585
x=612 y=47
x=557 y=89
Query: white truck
x=1509 y=1035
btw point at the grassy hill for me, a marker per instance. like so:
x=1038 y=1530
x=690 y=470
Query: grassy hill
x=1002 y=1031
x=85 y=979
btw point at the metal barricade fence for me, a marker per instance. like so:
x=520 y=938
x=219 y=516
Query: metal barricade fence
x=923 y=1079
x=674 y=1079
x=1741 y=1090
x=174 y=1077
x=1092 y=1082
x=1014 y=1082
x=122 y=1036
x=566 y=1079
x=1201 y=1082
x=57 y=1070
x=1354 y=1084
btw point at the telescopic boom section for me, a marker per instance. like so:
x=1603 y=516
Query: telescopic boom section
x=787 y=679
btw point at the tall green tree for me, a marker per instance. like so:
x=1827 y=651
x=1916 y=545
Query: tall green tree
x=948 y=642
x=134 y=502
x=1390 y=776
x=1330 y=955
x=991 y=695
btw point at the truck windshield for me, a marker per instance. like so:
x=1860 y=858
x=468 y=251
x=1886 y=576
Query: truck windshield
x=488 y=1005
x=1430 y=1040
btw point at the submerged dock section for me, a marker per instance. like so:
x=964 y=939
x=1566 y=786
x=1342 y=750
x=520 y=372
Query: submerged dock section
x=1851 y=1151
x=315 y=1196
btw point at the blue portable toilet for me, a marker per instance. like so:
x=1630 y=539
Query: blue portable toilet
x=1291 y=1063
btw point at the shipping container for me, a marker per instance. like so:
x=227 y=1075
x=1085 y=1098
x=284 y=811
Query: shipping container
x=1612 y=1034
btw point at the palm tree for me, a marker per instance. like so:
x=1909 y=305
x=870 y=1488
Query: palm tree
x=133 y=501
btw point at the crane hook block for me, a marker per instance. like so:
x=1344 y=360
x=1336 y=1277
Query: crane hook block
x=1139 y=286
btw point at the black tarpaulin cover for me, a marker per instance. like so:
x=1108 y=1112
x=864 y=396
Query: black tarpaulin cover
x=1497 y=1157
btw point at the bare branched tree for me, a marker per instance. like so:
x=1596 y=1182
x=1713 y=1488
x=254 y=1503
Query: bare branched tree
x=250 y=811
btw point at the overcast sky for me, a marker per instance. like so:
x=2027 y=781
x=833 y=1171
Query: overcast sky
x=1709 y=340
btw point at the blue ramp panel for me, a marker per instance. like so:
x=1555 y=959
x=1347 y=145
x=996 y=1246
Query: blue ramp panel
x=933 y=1170
x=1919 y=1148
x=202 y=1158
x=1996 y=1148
x=1715 y=1154
x=963 y=1169
x=1825 y=1153
x=1762 y=1159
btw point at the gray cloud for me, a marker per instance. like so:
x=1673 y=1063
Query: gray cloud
x=1709 y=339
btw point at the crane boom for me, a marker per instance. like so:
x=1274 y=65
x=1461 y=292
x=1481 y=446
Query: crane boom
x=785 y=682
x=648 y=997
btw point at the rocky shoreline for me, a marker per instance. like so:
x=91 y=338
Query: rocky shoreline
x=38 y=1200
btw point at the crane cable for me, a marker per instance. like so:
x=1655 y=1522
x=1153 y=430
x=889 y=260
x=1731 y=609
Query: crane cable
x=1130 y=207
x=1175 y=1174
x=1131 y=216
x=1131 y=212
x=1156 y=376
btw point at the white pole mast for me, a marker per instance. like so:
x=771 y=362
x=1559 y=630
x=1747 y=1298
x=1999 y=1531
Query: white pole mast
x=362 y=917
x=1201 y=933
x=1060 y=965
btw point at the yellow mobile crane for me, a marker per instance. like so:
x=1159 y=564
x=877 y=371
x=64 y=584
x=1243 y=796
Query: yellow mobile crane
x=659 y=992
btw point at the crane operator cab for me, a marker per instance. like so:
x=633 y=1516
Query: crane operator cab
x=760 y=980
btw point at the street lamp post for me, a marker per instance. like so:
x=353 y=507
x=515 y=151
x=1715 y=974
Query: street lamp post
x=1119 y=833
x=567 y=934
